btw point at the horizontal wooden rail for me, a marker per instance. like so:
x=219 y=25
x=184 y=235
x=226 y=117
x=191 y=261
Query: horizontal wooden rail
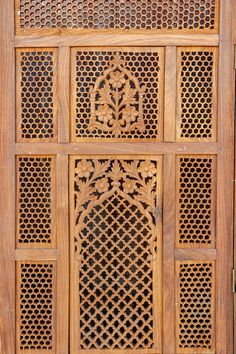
x=116 y=148
x=117 y=40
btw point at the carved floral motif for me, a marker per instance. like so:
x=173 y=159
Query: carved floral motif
x=117 y=100
x=135 y=181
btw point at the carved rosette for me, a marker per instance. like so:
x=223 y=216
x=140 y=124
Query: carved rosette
x=133 y=181
x=117 y=100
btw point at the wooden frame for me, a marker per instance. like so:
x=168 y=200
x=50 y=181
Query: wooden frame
x=223 y=148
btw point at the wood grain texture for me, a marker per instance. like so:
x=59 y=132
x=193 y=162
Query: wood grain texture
x=170 y=95
x=224 y=310
x=63 y=94
x=63 y=251
x=110 y=39
x=7 y=176
x=117 y=148
x=168 y=254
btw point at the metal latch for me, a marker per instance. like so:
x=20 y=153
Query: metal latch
x=233 y=281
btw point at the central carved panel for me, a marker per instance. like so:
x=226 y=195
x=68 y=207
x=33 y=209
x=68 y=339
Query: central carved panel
x=117 y=253
x=117 y=94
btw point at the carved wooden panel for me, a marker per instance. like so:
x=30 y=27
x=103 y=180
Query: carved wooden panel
x=36 y=94
x=195 y=315
x=120 y=15
x=197 y=94
x=117 y=94
x=196 y=199
x=35 y=307
x=116 y=263
x=35 y=205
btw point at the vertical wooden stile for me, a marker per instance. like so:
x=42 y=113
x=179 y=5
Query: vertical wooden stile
x=168 y=254
x=7 y=176
x=170 y=95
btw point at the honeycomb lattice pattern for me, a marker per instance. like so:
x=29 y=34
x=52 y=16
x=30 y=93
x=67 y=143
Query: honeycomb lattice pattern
x=119 y=14
x=36 y=306
x=115 y=244
x=195 y=311
x=35 y=195
x=36 y=106
x=145 y=66
x=197 y=80
x=195 y=211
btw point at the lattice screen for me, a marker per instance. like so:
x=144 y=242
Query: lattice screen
x=196 y=198
x=117 y=237
x=197 y=91
x=195 y=296
x=36 y=94
x=117 y=94
x=36 y=201
x=175 y=15
x=35 y=307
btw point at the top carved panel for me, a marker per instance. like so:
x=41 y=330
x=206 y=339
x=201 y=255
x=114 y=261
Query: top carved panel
x=61 y=15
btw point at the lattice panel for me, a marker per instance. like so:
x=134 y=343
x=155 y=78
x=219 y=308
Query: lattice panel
x=172 y=15
x=117 y=235
x=195 y=292
x=35 y=307
x=35 y=201
x=36 y=94
x=117 y=95
x=197 y=92
x=196 y=198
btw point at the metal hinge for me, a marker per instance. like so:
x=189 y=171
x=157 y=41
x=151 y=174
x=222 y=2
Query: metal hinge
x=233 y=281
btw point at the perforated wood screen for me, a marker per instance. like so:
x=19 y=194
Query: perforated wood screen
x=117 y=93
x=116 y=223
x=117 y=180
x=127 y=15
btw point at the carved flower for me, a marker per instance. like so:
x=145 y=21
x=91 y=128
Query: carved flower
x=102 y=185
x=129 y=186
x=129 y=113
x=84 y=168
x=104 y=113
x=147 y=169
x=117 y=79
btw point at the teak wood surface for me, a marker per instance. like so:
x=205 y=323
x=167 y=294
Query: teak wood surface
x=65 y=148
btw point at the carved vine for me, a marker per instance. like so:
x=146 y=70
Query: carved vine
x=117 y=100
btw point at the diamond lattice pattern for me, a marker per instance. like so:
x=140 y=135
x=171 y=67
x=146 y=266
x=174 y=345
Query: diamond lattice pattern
x=115 y=277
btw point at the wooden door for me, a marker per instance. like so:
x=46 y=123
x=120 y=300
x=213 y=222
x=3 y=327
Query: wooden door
x=117 y=169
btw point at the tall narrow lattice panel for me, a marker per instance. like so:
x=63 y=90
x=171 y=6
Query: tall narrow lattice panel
x=117 y=254
x=195 y=296
x=36 y=94
x=197 y=94
x=36 y=219
x=196 y=201
x=35 y=301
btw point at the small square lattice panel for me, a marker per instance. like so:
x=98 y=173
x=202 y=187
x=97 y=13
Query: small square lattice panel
x=36 y=201
x=163 y=15
x=36 y=94
x=196 y=199
x=195 y=307
x=35 y=307
x=117 y=254
x=117 y=94
x=197 y=94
